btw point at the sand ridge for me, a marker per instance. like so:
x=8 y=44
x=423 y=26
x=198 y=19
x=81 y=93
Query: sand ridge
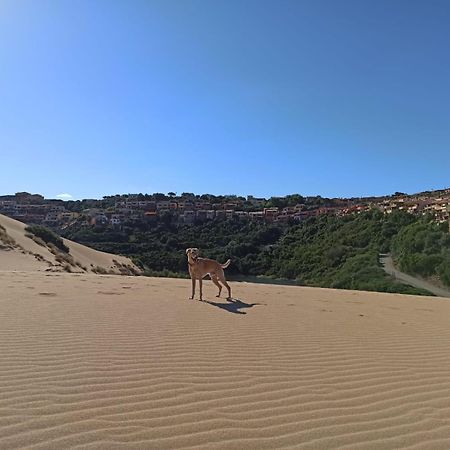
x=94 y=362
x=26 y=254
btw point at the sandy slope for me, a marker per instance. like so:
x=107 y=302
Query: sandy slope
x=23 y=256
x=109 y=362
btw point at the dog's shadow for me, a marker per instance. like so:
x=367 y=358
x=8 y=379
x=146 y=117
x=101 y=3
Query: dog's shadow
x=233 y=305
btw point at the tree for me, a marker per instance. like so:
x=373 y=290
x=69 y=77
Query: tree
x=158 y=196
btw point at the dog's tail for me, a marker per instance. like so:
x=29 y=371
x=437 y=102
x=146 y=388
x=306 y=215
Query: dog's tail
x=224 y=266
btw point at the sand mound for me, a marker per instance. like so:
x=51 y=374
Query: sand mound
x=19 y=252
x=120 y=362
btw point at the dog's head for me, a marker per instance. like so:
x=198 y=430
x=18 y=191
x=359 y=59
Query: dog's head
x=192 y=253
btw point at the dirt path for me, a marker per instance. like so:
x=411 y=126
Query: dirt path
x=388 y=266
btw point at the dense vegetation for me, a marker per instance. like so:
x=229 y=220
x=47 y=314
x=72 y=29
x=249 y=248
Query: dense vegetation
x=423 y=248
x=327 y=251
x=48 y=236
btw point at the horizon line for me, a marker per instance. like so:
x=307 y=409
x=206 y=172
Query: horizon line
x=73 y=198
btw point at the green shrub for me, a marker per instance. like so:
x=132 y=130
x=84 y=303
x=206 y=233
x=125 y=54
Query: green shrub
x=423 y=248
x=444 y=273
x=48 y=236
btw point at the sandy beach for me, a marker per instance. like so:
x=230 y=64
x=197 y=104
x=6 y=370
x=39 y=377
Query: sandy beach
x=110 y=362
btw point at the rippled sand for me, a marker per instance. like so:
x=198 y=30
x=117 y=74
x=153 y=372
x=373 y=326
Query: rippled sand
x=90 y=361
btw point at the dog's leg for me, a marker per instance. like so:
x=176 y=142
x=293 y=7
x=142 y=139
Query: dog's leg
x=200 y=282
x=193 y=288
x=216 y=282
x=228 y=287
x=224 y=282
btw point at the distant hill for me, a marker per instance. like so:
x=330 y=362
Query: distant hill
x=20 y=249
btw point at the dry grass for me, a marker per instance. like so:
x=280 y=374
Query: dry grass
x=36 y=239
x=81 y=266
x=61 y=257
x=67 y=268
x=6 y=239
x=125 y=269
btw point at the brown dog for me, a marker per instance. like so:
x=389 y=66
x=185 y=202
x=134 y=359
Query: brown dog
x=200 y=267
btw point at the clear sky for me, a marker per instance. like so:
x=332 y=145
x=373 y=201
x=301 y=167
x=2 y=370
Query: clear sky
x=336 y=98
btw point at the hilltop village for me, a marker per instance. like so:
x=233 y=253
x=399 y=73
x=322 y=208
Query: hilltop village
x=188 y=208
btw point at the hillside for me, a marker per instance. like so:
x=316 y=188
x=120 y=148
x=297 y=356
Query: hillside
x=325 y=251
x=21 y=250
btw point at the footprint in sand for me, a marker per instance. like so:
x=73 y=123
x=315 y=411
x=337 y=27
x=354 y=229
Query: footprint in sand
x=109 y=293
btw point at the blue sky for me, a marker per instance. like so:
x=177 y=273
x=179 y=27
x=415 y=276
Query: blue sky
x=336 y=98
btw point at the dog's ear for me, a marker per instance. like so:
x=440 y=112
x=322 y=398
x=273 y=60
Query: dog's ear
x=187 y=251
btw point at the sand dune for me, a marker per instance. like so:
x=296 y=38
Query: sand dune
x=26 y=254
x=104 y=362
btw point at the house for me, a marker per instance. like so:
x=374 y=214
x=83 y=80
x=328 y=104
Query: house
x=302 y=215
x=186 y=205
x=20 y=210
x=284 y=218
x=124 y=211
x=164 y=204
x=52 y=218
x=221 y=214
x=116 y=219
x=99 y=219
x=150 y=216
x=7 y=205
x=188 y=217
x=66 y=216
x=201 y=214
x=202 y=205
x=256 y=215
x=91 y=212
x=333 y=211
x=34 y=218
x=270 y=214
